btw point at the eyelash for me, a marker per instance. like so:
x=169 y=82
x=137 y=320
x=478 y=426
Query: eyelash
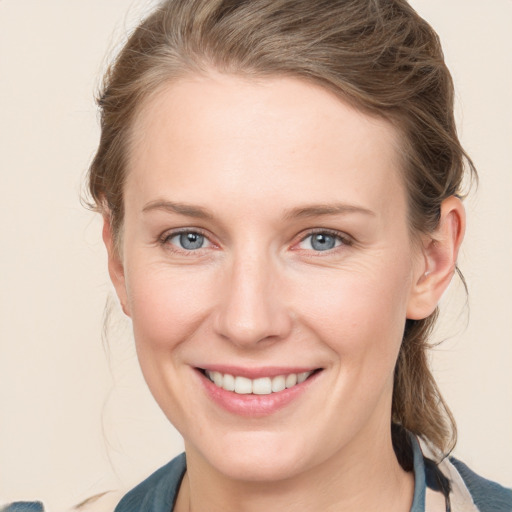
x=164 y=240
x=345 y=241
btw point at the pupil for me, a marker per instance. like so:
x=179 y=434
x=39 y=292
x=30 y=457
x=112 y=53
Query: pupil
x=322 y=242
x=191 y=241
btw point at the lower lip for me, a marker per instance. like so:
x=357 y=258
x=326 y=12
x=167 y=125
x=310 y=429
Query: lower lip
x=254 y=405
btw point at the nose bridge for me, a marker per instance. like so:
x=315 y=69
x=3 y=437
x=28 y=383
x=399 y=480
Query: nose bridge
x=251 y=308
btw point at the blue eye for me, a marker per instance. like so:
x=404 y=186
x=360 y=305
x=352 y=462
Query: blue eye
x=189 y=240
x=321 y=241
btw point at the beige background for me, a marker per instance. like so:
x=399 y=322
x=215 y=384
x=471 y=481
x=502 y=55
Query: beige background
x=71 y=423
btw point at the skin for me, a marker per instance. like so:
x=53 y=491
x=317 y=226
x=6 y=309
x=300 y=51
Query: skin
x=267 y=163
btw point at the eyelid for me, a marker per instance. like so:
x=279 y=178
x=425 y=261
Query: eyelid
x=164 y=238
x=345 y=239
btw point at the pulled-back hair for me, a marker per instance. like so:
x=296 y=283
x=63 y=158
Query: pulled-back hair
x=380 y=56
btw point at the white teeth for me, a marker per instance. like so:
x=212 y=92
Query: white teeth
x=261 y=386
x=278 y=383
x=301 y=377
x=291 y=380
x=229 y=382
x=243 y=386
x=217 y=378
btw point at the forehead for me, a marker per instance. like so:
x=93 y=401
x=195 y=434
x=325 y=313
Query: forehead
x=281 y=137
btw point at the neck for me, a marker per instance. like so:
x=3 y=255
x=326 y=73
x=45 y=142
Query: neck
x=361 y=477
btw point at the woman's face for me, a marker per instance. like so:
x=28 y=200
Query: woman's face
x=266 y=236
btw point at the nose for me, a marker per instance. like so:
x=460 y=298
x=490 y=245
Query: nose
x=250 y=308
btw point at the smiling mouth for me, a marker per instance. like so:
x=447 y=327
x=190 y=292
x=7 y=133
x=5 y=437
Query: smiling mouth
x=260 y=386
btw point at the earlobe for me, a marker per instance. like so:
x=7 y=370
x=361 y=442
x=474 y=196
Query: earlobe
x=115 y=264
x=440 y=252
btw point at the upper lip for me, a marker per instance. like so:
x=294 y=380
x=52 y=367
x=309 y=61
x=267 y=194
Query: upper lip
x=257 y=372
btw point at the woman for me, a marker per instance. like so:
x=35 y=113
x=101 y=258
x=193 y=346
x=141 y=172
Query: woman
x=280 y=185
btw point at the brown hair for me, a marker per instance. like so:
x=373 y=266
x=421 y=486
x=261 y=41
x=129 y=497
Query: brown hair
x=378 y=55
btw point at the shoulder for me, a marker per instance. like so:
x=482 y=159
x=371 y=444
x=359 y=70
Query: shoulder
x=22 y=506
x=488 y=496
x=158 y=492
x=449 y=483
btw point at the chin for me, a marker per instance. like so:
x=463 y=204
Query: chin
x=257 y=456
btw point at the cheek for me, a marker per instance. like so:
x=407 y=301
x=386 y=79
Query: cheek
x=166 y=306
x=360 y=316
x=167 y=310
x=361 y=313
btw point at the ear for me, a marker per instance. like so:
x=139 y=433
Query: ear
x=438 y=264
x=115 y=264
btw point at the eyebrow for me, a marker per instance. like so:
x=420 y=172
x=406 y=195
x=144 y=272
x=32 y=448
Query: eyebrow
x=319 y=210
x=315 y=210
x=180 y=208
